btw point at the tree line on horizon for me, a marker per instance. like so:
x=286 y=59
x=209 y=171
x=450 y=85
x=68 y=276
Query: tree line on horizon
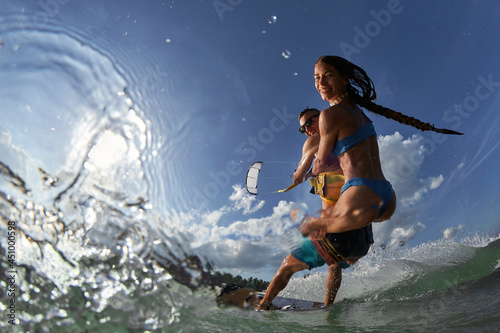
x=228 y=278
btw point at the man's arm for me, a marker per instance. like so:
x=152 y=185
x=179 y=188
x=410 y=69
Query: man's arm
x=309 y=149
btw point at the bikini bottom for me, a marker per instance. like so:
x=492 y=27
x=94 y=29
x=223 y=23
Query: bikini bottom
x=380 y=186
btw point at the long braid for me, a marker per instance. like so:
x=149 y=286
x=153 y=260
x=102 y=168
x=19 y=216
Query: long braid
x=403 y=119
x=362 y=92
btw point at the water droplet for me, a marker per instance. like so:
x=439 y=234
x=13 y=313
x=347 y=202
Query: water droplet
x=286 y=54
x=272 y=19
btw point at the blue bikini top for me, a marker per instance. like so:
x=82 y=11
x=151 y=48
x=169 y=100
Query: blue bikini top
x=355 y=138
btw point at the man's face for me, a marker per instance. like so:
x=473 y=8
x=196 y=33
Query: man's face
x=243 y=297
x=309 y=122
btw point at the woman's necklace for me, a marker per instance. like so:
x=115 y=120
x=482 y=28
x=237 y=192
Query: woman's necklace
x=338 y=99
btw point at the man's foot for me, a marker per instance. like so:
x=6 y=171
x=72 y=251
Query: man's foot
x=266 y=307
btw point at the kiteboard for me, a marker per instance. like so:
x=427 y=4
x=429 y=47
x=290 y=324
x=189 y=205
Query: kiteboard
x=247 y=298
x=292 y=304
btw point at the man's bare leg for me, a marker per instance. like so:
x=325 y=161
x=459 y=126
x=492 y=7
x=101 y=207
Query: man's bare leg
x=289 y=266
x=333 y=283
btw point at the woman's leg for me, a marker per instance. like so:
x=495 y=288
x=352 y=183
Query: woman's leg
x=390 y=210
x=357 y=207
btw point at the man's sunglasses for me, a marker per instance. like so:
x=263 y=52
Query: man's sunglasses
x=309 y=122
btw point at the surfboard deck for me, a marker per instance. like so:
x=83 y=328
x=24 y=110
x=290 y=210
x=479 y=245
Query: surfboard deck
x=292 y=304
x=247 y=298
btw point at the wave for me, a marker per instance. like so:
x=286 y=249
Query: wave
x=83 y=159
x=406 y=274
x=76 y=191
x=439 y=286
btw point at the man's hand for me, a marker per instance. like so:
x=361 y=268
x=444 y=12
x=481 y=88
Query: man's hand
x=297 y=179
x=314 y=226
x=319 y=166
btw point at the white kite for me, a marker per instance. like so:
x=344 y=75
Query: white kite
x=253 y=176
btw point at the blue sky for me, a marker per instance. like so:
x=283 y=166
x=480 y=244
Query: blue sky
x=220 y=85
x=435 y=62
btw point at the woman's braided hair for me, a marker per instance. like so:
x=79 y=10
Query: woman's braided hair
x=362 y=92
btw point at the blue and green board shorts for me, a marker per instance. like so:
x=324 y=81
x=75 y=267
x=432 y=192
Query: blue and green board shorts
x=307 y=253
x=352 y=245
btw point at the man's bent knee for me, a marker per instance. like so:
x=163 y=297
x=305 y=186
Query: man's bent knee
x=292 y=264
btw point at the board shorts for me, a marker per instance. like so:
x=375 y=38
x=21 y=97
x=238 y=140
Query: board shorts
x=341 y=248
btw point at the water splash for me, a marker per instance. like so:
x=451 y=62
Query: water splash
x=74 y=182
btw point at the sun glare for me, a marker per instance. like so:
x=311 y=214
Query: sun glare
x=108 y=151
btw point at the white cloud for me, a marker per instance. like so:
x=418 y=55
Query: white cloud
x=401 y=161
x=257 y=228
x=401 y=235
x=213 y=217
x=250 y=244
x=242 y=244
x=254 y=244
x=430 y=183
x=5 y=137
x=243 y=257
x=452 y=232
x=435 y=182
x=244 y=201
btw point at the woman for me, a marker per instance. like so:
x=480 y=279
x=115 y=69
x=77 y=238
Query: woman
x=336 y=250
x=347 y=132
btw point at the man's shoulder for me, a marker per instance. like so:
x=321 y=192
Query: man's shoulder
x=312 y=141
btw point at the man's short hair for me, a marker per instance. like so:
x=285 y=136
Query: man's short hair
x=303 y=112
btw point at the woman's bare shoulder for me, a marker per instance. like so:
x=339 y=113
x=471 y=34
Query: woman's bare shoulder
x=334 y=115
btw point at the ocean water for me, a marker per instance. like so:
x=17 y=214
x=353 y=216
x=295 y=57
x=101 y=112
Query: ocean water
x=84 y=246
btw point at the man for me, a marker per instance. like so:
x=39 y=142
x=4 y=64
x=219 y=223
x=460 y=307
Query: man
x=232 y=294
x=337 y=250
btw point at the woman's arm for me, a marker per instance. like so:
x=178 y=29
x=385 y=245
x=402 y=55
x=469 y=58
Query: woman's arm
x=328 y=137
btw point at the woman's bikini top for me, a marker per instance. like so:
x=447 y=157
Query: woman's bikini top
x=361 y=134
